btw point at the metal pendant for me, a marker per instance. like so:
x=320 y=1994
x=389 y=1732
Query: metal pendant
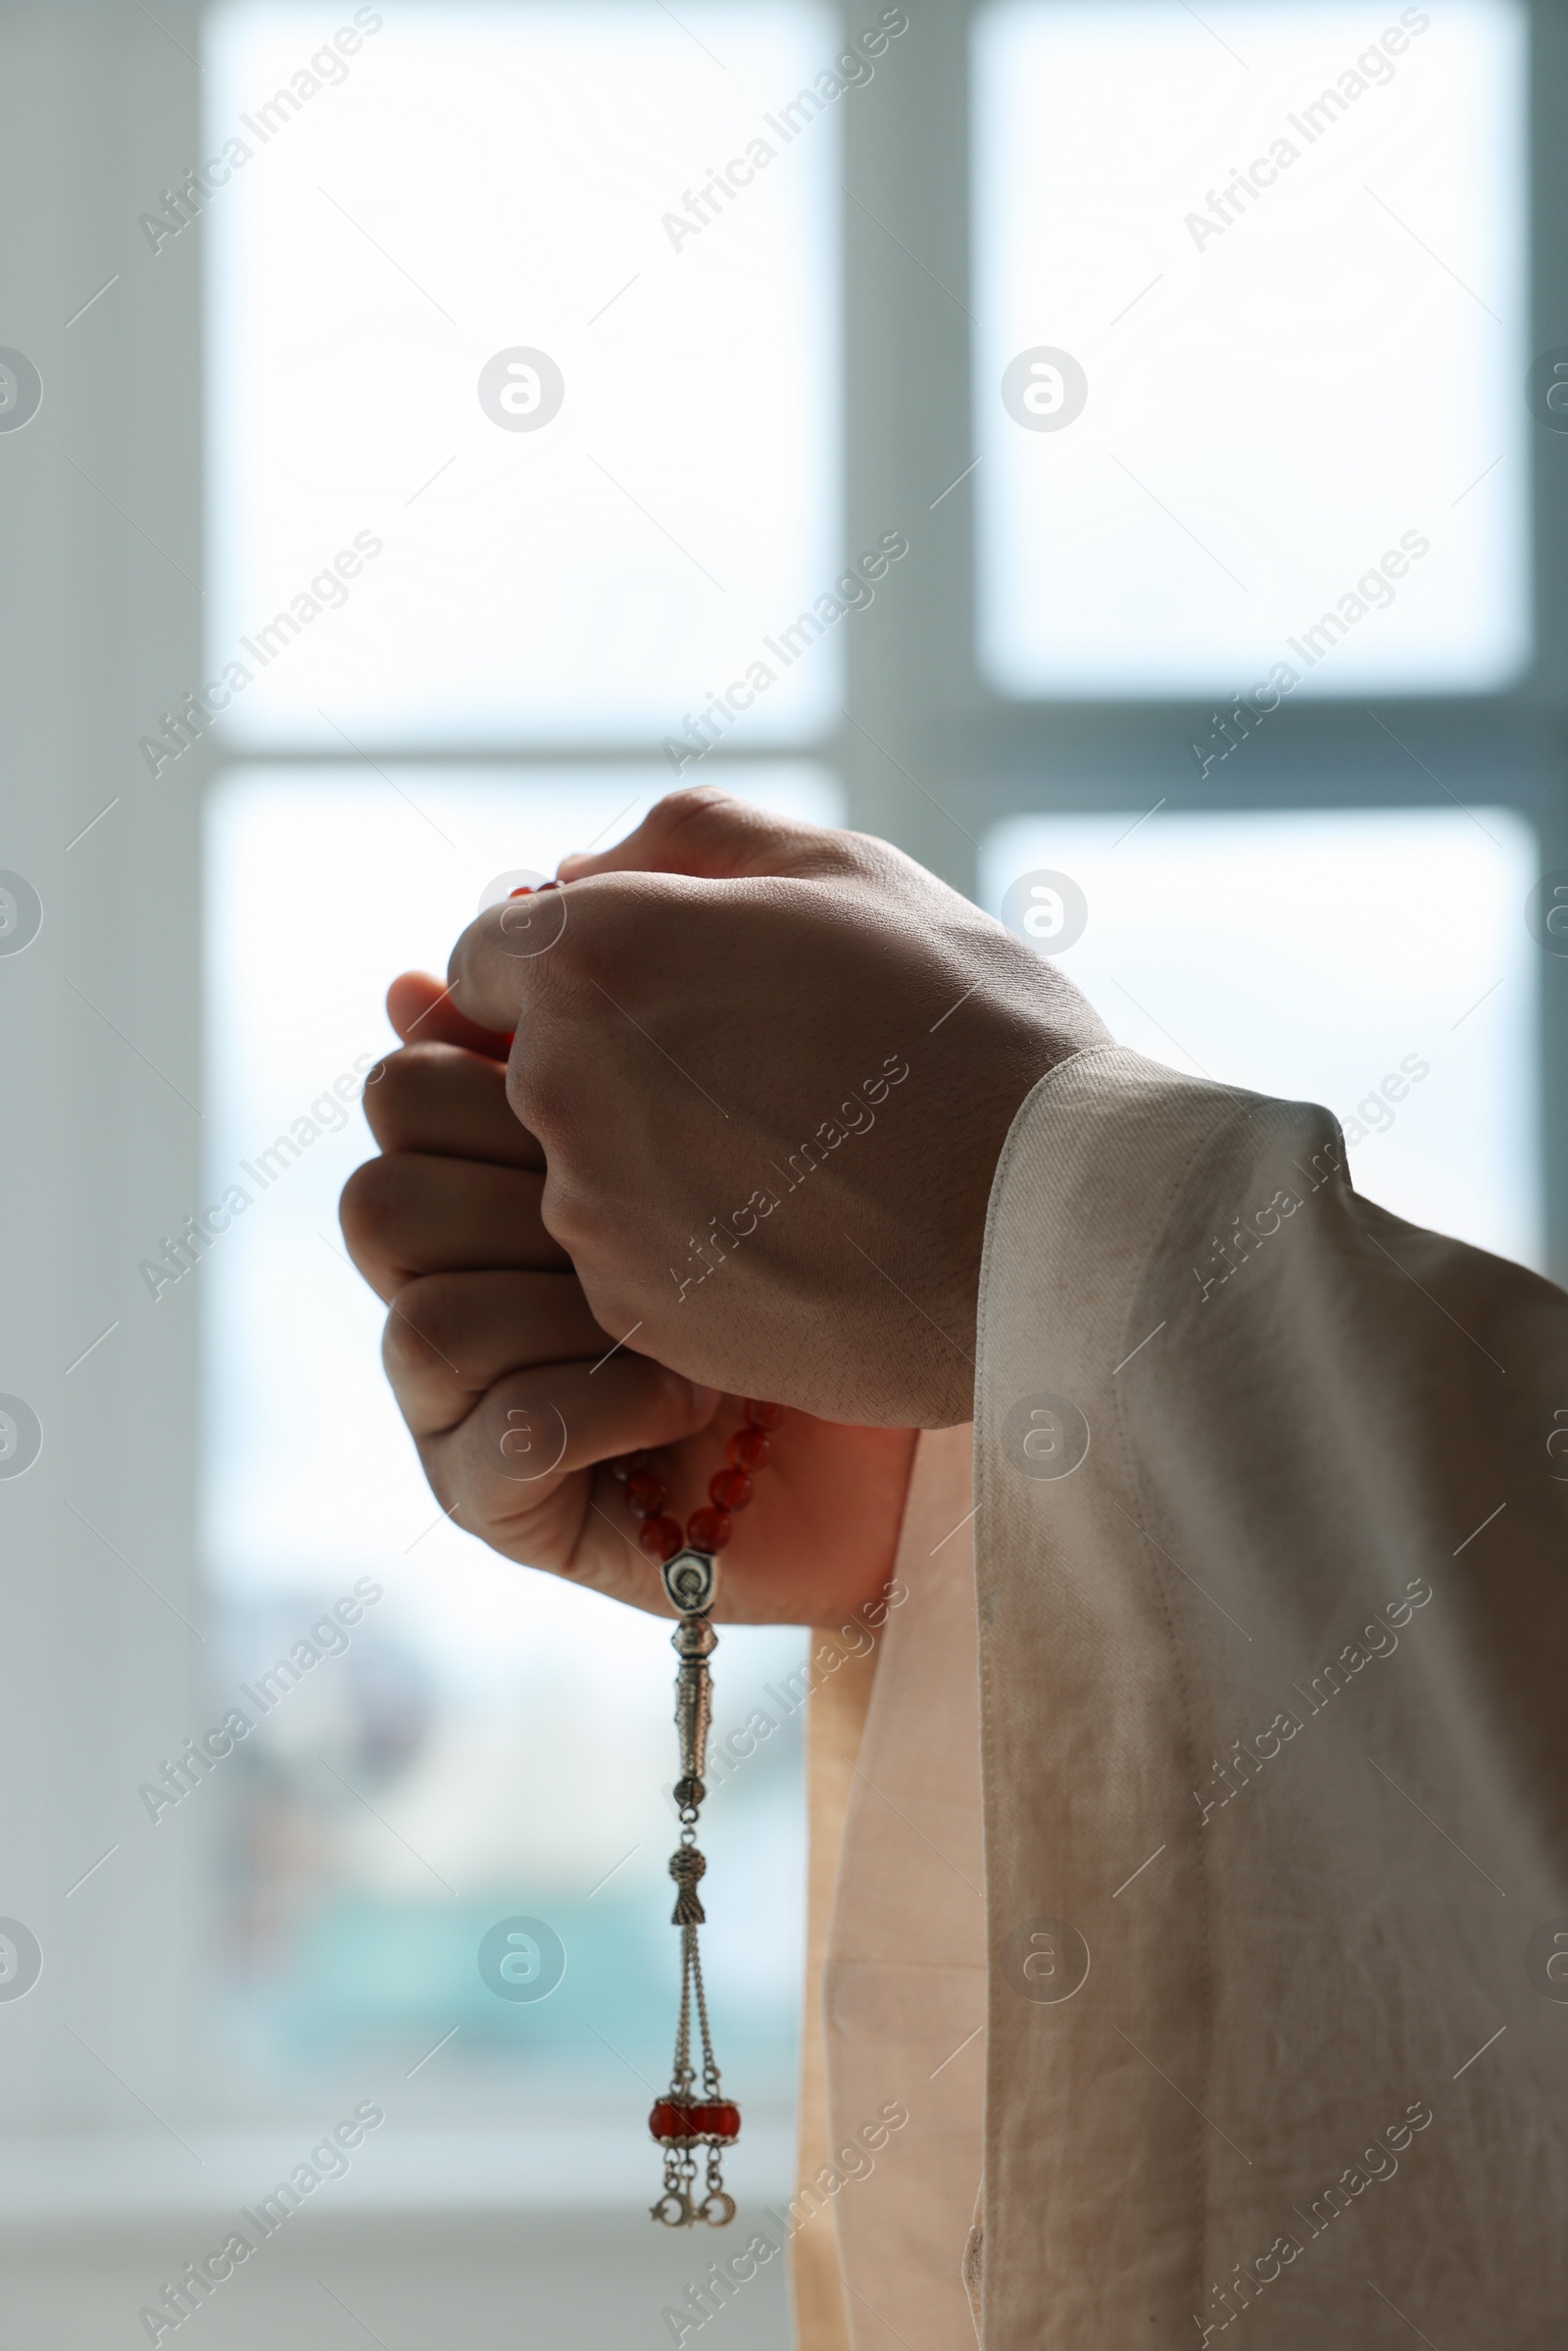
x=694 y=2115
x=691 y=1582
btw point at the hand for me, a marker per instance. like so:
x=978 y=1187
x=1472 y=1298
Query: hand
x=772 y=1068
x=493 y=1353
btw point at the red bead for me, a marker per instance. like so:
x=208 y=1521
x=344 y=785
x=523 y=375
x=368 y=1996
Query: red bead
x=525 y=890
x=675 y=2119
x=730 y=1490
x=660 y=1539
x=707 y=1530
x=646 y=1495
x=762 y=1416
x=748 y=1449
x=721 y=2120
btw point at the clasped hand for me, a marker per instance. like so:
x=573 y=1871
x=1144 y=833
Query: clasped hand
x=717 y=1119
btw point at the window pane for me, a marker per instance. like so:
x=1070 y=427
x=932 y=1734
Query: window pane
x=492 y=1743
x=478 y=181
x=1376 y=962
x=1303 y=438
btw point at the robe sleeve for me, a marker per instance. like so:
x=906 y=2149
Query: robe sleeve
x=1272 y=1578
x=889 y=2161
x=835 y=1722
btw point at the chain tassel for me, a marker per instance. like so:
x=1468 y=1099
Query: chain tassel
x=686 y=2120
x=690 y=2117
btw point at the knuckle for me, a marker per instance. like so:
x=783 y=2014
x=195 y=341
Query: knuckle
x=613 y=1301
x=701 y=826
x=545 y=1095
x=617 y=945
x=573 y=1217
x=371 y=1202
x=703 y=820
x=424 y=1328
x=693 y=804
x=392 y=1090
x=525 y=930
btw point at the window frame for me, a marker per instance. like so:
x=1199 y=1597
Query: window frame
x=918 y=711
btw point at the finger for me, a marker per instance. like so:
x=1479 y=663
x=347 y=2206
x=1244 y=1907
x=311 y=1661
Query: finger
x=408 y=1213
x=499 y=965
x=704 y=832
x=506 y=951
x=419 y=1007
x=451 y=1336
x=511 y=1472
x=444 y=1100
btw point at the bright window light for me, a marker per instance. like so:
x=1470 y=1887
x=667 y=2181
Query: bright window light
x=522 y=427
x=1250 y=363
x=1377 y=962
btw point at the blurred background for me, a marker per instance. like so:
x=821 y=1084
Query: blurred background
x=1115 y=452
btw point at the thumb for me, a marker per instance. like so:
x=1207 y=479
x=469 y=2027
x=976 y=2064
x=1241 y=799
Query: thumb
x=704 y=832
x=423 y=1012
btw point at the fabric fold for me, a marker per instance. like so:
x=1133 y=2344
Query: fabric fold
x=1271 y=1640
x=903 y=1984
x=1270 y=1520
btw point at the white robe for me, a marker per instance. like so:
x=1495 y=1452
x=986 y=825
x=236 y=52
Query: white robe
x=1272 y=1740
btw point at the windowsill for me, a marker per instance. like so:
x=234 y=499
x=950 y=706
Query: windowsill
x=450 y=2171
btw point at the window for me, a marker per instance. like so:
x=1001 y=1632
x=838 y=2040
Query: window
x=1372 y=959
x=583 y=545
x=1283 y=254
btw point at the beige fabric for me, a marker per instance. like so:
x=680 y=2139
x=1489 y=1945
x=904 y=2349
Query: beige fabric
x=904 y=1990
x=834 y=1721
x=1273 y=1730
x=1208 y=1643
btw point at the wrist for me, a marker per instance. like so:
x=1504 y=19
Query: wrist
x=1028 y=1041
